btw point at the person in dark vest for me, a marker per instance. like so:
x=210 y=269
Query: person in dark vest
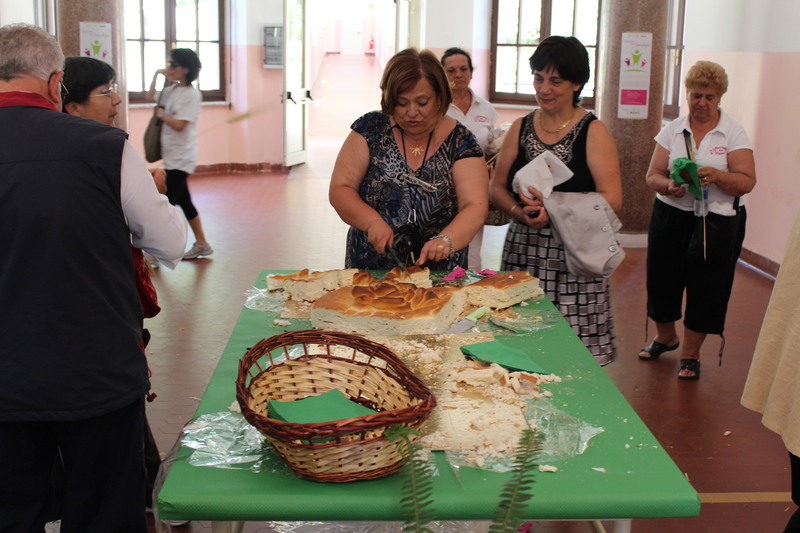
x=74 y=194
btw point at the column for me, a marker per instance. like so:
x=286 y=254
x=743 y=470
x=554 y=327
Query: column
x=69 y=15
x=633 y=137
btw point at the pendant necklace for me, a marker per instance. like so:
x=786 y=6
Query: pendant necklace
x=412 y=174
x=564 y=125
x=416 y=150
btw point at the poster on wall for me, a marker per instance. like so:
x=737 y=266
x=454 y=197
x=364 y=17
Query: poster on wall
x=634 y=75
x=96 y=41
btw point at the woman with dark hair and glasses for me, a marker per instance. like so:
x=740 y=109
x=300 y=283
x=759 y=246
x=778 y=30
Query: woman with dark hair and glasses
x=90 y=92
x=560 y=67
x=179 y=105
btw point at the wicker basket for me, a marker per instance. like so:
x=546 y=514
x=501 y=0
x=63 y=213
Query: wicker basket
x=364 y=371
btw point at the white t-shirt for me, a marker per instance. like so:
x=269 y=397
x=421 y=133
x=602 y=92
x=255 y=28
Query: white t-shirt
x=726 y=137
x=179 y=147
x=479 y=119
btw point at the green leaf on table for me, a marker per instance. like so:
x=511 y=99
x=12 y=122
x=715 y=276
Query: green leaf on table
x=510 y=512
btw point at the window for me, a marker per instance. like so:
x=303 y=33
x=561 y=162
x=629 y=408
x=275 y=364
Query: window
x=152 y=27
x=519 y=25
x=674 y=60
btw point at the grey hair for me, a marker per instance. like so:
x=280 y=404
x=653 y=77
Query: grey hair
x=28 y=50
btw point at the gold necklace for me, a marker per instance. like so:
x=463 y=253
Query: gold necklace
x=564 y=125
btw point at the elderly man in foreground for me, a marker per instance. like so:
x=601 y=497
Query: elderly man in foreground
x=73 y=195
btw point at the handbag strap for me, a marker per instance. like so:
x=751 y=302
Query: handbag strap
x=690 y=151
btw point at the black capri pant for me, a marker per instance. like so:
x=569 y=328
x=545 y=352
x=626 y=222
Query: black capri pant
x=707 y=284
x=178 y=192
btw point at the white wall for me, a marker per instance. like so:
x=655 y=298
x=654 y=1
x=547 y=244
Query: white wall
x=17 y=11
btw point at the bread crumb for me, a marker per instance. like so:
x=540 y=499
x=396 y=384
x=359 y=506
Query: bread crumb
x=281 y=322
x=599 y=469
x=547 y=468
x=727 y=433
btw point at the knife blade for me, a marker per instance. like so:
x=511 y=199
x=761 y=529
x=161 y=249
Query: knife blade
x=396 y=259
x=469 y=321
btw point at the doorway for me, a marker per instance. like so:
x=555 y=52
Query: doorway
x=346 y=82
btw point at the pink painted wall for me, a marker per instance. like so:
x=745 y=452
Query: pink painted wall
x=762 y=86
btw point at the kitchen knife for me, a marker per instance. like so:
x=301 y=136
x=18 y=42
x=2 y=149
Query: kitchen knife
x=469 y=321
x=396 y=259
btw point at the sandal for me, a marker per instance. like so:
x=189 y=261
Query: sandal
x=656 y=349
x=692 y=365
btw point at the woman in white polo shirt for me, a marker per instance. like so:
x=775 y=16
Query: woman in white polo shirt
x=180 y=103
x=679 y=257
x=472 y=111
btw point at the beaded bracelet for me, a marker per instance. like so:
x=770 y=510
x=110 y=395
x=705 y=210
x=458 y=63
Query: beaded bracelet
x=448 y=240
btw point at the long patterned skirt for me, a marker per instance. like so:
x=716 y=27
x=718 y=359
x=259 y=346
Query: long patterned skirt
x=584 y=302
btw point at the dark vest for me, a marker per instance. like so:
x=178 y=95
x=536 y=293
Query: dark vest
x=70 y=319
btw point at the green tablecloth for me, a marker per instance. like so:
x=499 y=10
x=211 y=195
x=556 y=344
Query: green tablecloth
x=635 y=477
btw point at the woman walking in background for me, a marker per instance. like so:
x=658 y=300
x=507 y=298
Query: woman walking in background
x=180 y=103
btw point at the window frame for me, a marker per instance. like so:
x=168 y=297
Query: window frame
x=170 y=40
x=676 y=24
x=530 y=99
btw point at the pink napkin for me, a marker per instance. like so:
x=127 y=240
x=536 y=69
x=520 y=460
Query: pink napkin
x=457 y=272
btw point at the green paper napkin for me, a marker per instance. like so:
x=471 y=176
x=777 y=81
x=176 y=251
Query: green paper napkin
x=680 y=168
x=510 y=358
x=333 y=405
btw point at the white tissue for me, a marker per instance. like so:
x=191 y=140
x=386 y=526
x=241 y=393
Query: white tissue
x=543 y=172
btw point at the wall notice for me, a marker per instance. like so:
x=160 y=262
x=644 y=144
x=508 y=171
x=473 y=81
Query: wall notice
x=634 y=75
x=96 y=41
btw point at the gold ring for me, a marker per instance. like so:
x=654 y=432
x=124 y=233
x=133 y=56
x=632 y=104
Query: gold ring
x=440 y=246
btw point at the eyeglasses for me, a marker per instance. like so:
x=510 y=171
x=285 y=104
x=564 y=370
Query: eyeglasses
x=107 y=92
x=64 y=91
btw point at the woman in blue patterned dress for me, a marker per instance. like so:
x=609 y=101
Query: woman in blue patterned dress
x=560 y=68
x=409 y=174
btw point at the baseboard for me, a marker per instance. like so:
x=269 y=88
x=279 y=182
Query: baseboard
x=240 y=168
x=759 y=262
x=750 y=258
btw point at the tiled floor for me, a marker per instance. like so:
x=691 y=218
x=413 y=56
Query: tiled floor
x=285 y=222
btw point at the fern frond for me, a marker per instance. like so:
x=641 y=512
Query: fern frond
x=415 y=494
x=517 y=490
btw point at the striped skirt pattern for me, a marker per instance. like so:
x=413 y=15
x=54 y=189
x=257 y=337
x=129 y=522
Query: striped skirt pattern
x=584 y=302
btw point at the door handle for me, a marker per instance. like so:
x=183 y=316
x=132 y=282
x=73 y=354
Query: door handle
x=307 y=98
x=287 y=97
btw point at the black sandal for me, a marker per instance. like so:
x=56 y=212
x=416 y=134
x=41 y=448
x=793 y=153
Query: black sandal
x=692 y=365
x=656 y=349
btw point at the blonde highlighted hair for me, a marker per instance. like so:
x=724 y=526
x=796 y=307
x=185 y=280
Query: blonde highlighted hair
x=707 y=74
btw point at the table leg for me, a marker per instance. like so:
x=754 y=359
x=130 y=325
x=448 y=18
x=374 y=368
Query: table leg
x=227 y=527
x=622 y=526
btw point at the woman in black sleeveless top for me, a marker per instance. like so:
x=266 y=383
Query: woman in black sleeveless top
x=560 y=68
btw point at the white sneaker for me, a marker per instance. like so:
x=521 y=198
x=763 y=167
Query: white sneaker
x=197 y=250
